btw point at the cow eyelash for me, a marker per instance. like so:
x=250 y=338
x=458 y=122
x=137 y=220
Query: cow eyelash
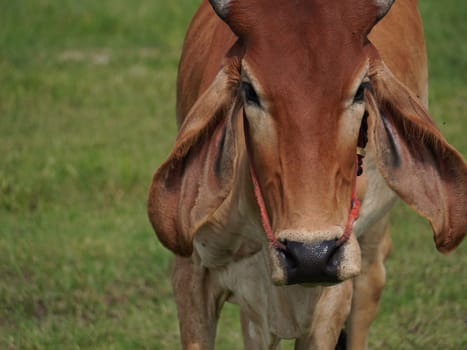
x=251 y=97
x=360 y=94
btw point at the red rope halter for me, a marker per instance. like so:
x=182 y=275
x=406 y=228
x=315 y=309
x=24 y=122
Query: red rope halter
x=353 y=213
x=265 y=222
x=354 y=203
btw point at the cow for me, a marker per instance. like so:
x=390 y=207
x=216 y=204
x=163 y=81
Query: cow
x=300 y=123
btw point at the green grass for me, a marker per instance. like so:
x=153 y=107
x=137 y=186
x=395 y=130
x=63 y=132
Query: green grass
x=87 y=96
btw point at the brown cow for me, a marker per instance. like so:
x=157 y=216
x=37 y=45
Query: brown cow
x=260 y=193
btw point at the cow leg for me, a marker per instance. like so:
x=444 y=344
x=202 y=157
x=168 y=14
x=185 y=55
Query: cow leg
x=199 y=300
x=368 y=286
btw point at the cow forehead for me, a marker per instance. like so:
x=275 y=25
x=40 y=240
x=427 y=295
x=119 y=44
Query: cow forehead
x=297 y=49
x=307 y=82
x=305 y=64
x=249 y=18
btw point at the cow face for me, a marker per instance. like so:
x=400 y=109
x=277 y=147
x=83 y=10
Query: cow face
x=302 y=78
x=304 y=73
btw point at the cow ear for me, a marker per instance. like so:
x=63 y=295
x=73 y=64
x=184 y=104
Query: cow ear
x=197 y=175
x=416 y=161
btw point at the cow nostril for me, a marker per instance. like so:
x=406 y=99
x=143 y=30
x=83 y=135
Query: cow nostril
x=288 y=256
x=314 y=262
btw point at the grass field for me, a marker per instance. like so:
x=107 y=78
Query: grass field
x=87 y=96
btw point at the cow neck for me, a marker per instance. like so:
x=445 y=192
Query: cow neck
x=354 y=203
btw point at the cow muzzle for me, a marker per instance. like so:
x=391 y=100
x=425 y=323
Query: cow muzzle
x=314 y=261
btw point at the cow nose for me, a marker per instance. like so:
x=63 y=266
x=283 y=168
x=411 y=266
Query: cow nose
x=310 y=262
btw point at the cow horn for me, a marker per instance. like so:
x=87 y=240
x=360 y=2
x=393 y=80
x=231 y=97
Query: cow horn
x=383 y=6
x=220 y=7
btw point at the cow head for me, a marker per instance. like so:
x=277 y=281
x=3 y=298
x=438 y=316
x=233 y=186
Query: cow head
x=304 y=76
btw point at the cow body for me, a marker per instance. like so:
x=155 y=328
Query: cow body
x=228 y=258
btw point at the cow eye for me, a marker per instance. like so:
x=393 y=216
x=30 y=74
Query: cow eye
x=251 y=97
x=360 y=94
